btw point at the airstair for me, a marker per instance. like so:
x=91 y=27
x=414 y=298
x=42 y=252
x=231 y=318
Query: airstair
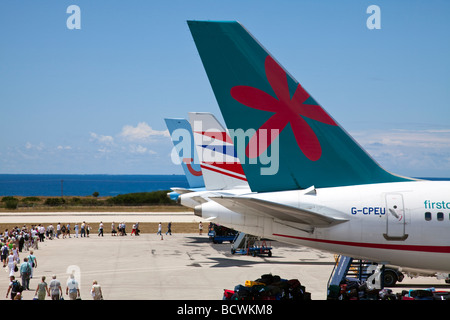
x=247 y=244
x=349 y=269
x=239 y=241
x=243 y=241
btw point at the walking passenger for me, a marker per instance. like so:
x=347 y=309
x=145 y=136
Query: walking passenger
x=83 y=229
x=58 y=230
x=160 y=230
x=42 y=289
x=96 y=291
x=100 y=229
x=72 y=288
x=4 y=254
x=11 y=263
x=25 y=273
x=63 y=231
x=137 y=229
x=55 y=288
x=76 y=230
x=14 y=287
x=32 y=260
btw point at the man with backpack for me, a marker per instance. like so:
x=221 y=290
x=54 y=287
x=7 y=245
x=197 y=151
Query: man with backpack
x=15 y=287
x=25 y=273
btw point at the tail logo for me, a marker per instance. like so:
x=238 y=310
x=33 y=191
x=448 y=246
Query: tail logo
x=194 y=172
x=286 y=111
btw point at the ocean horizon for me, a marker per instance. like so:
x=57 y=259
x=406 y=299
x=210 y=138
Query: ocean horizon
x=53 y=185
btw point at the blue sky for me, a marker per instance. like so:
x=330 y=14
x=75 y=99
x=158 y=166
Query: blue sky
x=93 y=100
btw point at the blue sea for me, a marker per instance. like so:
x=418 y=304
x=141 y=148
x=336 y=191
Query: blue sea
x=85 y=185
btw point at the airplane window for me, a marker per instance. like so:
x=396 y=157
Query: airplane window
x=427 y=216
x=440 y=216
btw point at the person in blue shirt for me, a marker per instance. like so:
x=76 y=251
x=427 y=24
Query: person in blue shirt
x=25 y=273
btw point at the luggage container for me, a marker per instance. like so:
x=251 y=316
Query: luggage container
x=219 y=234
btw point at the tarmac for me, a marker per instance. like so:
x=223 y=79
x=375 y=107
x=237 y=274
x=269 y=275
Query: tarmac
x=177 y=267
x=89 y=217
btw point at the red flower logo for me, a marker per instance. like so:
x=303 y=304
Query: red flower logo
x=286 y=111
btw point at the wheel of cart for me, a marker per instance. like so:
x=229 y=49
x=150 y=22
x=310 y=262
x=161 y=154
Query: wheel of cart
x=265 y=249
x=261 y=248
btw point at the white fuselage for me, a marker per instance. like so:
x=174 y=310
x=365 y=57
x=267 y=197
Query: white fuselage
x=403 y=224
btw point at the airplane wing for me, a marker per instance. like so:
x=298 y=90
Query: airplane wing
x=276 y=210
x=181 y=190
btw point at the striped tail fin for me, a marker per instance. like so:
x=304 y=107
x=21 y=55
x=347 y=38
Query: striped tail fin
x=290 y=141
x=220 y=165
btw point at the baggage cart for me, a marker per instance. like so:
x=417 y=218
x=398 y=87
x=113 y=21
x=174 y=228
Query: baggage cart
x=254 y=248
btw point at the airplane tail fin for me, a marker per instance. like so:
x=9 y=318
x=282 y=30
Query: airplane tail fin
x=182 y=138
x=220 y=166
x=283 y=137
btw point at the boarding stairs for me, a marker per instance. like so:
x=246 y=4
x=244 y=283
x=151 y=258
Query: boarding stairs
x=243 y=240
x=349 y=268
x=239 y=241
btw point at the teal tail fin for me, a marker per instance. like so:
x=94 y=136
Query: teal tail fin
x=284 y=139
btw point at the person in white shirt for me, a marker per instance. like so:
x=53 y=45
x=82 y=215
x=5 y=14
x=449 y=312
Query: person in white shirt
x=11 y=262
x=96 y=291
x=100 y=229
x=160 y=230
x=72 y=288
x=58 y=230
x=41 y=230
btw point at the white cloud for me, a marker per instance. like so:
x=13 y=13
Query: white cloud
x=30 y=146
x=103 y=150
x=428 y=139
x=130 y=142
x=138 y=149
x=64 y=147
x=409 y=152
x=141 y=133
x=102 y=139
